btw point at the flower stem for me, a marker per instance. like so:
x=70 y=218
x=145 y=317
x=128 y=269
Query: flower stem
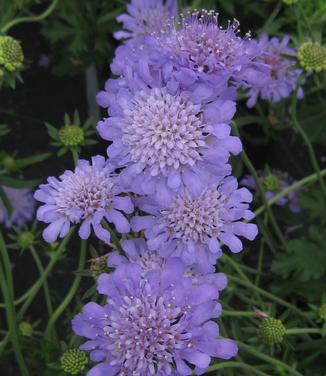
x=70 y=295
x=261 y=191
x=45 y=284
x=12 y=321
x=228 y=313
x=75 y=156
x=305 y=138
x=308 y=179
x=240 y=365
x=36 y=18
x=303 y=331
x=267 y=358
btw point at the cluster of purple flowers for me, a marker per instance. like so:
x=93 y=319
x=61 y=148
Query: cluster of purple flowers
x=168 y=127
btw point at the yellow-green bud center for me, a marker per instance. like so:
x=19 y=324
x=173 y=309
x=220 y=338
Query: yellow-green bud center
x=9 y=163
x=322 y=312
x=312 y=56
x=11 y=53
x=73 y=361
x=26 y=329
x=271 y=331
x=25 y=239
x=289 y=2
x=71 y=135
x=272 y=183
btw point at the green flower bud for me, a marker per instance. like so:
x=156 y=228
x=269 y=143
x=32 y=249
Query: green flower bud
x=312 y=56
x=71 y=135
x=73 y=361
x=9 y=163
x=271 y=331
x=25 y=239
x=322 y=312
x=11 y=53
x=272 y=183
x=290 y=2
x=98 y=266
x=26 y=329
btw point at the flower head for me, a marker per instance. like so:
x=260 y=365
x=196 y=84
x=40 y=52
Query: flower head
x=73 y=361
x=137 y=252
x=157 y=324
x=271 y=331
x=145 y=17
x=26 y=329
x=11 y=53
x=71 y=135
x=191 y=226
x=312 y=56
x=22 y=204
x=165 y=137
x=282 y=77
x=274 y=182
x=87 y=195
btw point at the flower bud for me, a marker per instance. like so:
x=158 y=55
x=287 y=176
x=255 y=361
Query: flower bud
x=26 y=329
x=71 y=135
x=73 y=361
x=312 y=56
x=271 y=331
x=11 y=53
x=289 y=2
x=25 y=239
x=322 y=312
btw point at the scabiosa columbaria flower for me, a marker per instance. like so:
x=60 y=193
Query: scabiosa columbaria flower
x=312 y=56
x=73 y=361
x=282 y=75
x=275 y=182
x=199 y=45
x=87 y=196
x=137 y=252
x=145 y=17
x=191 y=227
x=11 y=53
x=22 y=204
x=272 y=331
x=165 y=137
x=157 y=324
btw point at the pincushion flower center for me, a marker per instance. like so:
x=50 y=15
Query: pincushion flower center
x=195 y=219
x=163 y=131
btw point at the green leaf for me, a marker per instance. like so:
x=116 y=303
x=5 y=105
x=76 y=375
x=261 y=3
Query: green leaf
x=313 y=201
x=5 y=200
x=4 y=129
x=15 y=183
x=306 y=259
x=24 y=162
x=52 y=131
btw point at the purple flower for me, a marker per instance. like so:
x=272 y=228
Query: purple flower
x=137 y=252
x=165 y=137
x=159 y=324
x=87 y=195
x=282 y=77
x=145 y=17
x=191 y=226
x=22 y=204
x=275 y=182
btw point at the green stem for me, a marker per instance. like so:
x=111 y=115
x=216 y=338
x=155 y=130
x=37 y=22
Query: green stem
x=308 y=179
x=306 y=21
x=228 y=313
x=305 y=138
x=75 y=156
x=36 y=18
x=260 y=261
x=272 y=17
x=45 y=284
x=267 y=358
x=244 y=366
x=267 y=295
x=303 y=331
x=71 y=293
x=261 y=191
x=7 y=267
x=12 y=322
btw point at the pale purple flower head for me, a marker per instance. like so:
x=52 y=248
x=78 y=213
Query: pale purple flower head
x=22 y=204
x=282 y=75
x=165 y=137
x=87 y=196
x=273 y=183
x=137 y=252
x=157 y=324
x=191 y=226
x=145 y=17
